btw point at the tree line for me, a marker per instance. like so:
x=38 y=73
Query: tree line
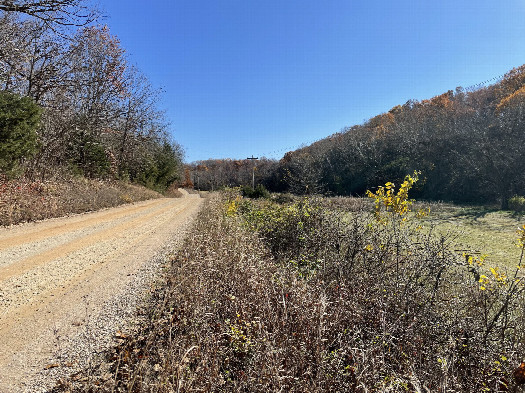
x=213 y=174
x=468 y=144
x=71 y=101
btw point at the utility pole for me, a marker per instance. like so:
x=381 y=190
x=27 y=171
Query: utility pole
x=253 y=169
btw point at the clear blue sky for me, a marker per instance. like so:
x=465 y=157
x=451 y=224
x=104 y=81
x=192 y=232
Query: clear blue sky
x=245 y=77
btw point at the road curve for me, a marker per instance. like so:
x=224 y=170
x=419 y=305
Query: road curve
x=64 y=284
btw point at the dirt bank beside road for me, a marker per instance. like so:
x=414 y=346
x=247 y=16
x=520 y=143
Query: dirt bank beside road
x=67 y=285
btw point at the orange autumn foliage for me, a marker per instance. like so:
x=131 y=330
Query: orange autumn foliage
x=519 y=374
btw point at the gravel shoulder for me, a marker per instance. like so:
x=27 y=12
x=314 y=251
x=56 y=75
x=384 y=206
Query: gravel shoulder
x=68 y=285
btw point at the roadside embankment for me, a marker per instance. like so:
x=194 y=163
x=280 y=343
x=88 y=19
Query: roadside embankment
x=24 y=200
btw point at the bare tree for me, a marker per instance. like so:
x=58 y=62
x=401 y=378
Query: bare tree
x=32 y=58
x=53 y=12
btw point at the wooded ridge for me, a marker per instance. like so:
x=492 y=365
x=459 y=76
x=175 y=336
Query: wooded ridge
x=467 y=143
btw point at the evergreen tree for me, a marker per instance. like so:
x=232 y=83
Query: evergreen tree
x=19 y=121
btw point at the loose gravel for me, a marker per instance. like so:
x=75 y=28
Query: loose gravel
x=64 y=294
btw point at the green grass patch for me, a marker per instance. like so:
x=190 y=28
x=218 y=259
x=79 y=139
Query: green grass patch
x=478 y=231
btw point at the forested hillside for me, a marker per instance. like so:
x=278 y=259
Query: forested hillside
x=72 y=103
x=467 y=144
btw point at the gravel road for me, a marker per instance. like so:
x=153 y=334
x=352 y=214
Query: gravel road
x=68 y=285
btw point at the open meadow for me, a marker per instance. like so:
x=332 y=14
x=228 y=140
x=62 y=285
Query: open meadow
x=479 y=231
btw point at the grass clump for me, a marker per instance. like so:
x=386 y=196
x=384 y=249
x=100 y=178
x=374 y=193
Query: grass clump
x=267 y=297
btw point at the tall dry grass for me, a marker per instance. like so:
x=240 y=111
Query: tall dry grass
x=23 y=200
x=297 y=298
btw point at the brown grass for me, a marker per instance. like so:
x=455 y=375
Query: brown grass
x=23 y=200
x=295 y=298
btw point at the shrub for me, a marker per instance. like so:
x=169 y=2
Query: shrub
x=19 y=120
x=259 y=192
x=517 y=204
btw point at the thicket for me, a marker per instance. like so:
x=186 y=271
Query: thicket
x=294 y=297
x=82 y=108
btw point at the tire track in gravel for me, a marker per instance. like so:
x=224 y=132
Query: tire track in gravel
x=84 y=221
x=49 y=300
x=22 y=266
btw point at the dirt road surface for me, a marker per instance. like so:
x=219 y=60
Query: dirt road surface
x=68 y=285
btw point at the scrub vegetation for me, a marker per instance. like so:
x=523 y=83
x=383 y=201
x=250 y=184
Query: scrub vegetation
x=311 y=295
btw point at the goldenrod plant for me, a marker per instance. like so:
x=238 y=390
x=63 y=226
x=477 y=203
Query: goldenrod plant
x=389 y=203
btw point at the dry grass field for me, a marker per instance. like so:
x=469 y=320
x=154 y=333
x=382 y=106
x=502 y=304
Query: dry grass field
x=24 y=200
